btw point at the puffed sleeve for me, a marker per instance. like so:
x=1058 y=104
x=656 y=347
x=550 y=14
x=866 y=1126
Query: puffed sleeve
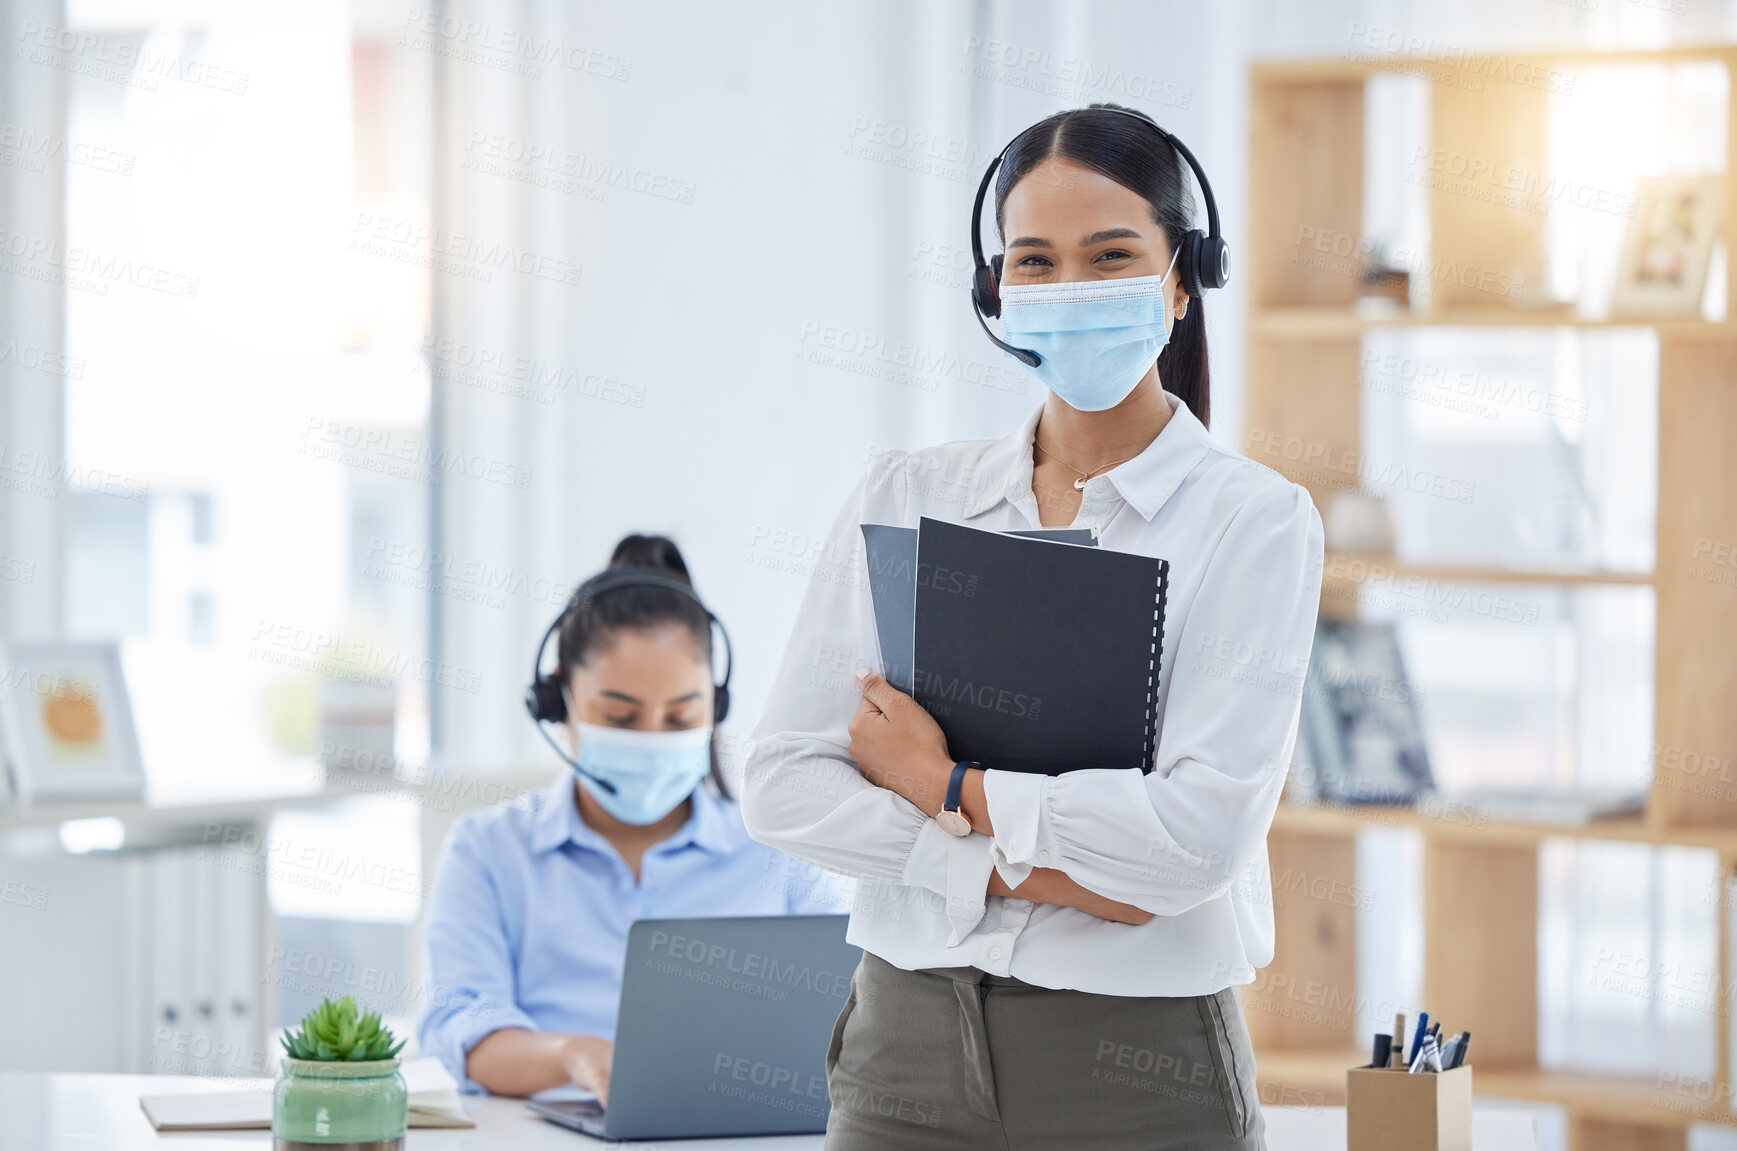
x=1172 y=839
x=802 y=792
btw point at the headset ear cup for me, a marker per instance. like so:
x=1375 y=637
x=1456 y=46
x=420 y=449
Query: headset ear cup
x=1188 y=261
x=543 y=699
x=1214 y=265
x=986 y=288
x=720 y=703
x=983 y=292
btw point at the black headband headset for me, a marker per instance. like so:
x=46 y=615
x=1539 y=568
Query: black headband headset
x=546 y=698
x=1204 y=257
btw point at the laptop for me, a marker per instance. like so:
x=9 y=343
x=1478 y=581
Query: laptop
x=723 y=1029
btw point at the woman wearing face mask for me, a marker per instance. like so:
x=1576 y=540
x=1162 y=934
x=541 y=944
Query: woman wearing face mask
x=1053 y=961
x=528 y=916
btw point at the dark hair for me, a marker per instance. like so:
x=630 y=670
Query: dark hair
x=595 y=621
x=1142 y=161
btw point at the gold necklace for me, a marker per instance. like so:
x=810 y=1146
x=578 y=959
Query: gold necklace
x=1080 y=483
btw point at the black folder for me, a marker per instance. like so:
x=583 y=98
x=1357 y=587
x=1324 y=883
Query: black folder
x=1038 y=656
x=892 y=571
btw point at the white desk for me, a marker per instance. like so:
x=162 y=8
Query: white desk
x=61 y=1112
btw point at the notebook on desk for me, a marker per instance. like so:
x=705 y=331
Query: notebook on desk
x=434 y=1102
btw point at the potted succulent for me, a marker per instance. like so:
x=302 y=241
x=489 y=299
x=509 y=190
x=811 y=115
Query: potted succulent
x=339 y=1085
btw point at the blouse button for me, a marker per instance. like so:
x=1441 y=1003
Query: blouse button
x=995 y=953
x=1100 y=486
x=1043 y=856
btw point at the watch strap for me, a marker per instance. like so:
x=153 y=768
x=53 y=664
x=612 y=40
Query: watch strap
x=955 y=781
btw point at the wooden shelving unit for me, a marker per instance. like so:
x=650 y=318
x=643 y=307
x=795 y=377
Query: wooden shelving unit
x=1480 y=878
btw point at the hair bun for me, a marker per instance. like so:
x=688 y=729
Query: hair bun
x=656 y=552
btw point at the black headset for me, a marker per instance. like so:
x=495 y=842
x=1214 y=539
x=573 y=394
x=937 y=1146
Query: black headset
x=546 y=698
x=1204 y=257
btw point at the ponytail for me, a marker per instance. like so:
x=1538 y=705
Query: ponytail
x=1182 y=365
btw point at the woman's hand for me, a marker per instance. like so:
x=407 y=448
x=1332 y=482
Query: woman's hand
x=586 y=1060
x=516 y=1061
x=1048 y=885
x=899 y=746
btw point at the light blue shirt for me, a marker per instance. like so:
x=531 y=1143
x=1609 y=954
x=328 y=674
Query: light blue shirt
x=529 y=911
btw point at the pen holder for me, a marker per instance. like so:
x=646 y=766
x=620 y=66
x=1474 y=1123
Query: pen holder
x=1388 y=1107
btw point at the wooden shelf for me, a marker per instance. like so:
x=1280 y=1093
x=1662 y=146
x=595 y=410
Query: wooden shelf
x=1460 y=824
x=1305 y=385
x=1318 y=1077
x=1302 y=322
x=1348 y=567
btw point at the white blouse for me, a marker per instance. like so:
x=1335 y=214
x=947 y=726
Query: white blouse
x=1186 y=842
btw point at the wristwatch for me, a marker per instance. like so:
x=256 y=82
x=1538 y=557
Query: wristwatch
x=951 y=819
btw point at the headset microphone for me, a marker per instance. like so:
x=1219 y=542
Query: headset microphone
x=573 y=763
x=546 y=698
x=986 y=284
x=1203 y=257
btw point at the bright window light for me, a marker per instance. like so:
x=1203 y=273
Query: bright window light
x=82 y=836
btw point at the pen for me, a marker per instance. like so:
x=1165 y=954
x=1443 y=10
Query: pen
x=1417 y=1040
x=1428 y=1058
x=1398 y=1057
x=1460 y=1052
x=1383 y=1050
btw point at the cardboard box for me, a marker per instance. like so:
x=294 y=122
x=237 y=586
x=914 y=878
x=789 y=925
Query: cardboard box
x=1390 y=1109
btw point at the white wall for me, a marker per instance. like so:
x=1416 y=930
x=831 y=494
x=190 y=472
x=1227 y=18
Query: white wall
x=742 y=451
x=834 y=151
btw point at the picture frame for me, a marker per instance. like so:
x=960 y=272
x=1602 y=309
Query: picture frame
x=67 y=721
x=1668 y=247
x=1360 y=738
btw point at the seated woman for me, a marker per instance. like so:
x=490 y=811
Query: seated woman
x=528 y=916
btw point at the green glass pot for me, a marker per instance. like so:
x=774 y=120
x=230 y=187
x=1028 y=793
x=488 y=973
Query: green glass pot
x=318 y=1106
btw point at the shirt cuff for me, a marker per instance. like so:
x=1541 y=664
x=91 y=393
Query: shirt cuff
x=955 y=866
x=1017 y=801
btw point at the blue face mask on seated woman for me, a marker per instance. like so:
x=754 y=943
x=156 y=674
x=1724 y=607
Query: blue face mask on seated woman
x=1096 y=337
x=651 y=771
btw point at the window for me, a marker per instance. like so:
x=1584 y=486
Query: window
x=234 y=354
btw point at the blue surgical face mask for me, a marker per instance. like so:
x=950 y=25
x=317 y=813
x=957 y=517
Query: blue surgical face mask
x=652 y=771
x=1096 y=337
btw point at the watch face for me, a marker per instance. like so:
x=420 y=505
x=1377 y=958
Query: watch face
x=953 y=823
